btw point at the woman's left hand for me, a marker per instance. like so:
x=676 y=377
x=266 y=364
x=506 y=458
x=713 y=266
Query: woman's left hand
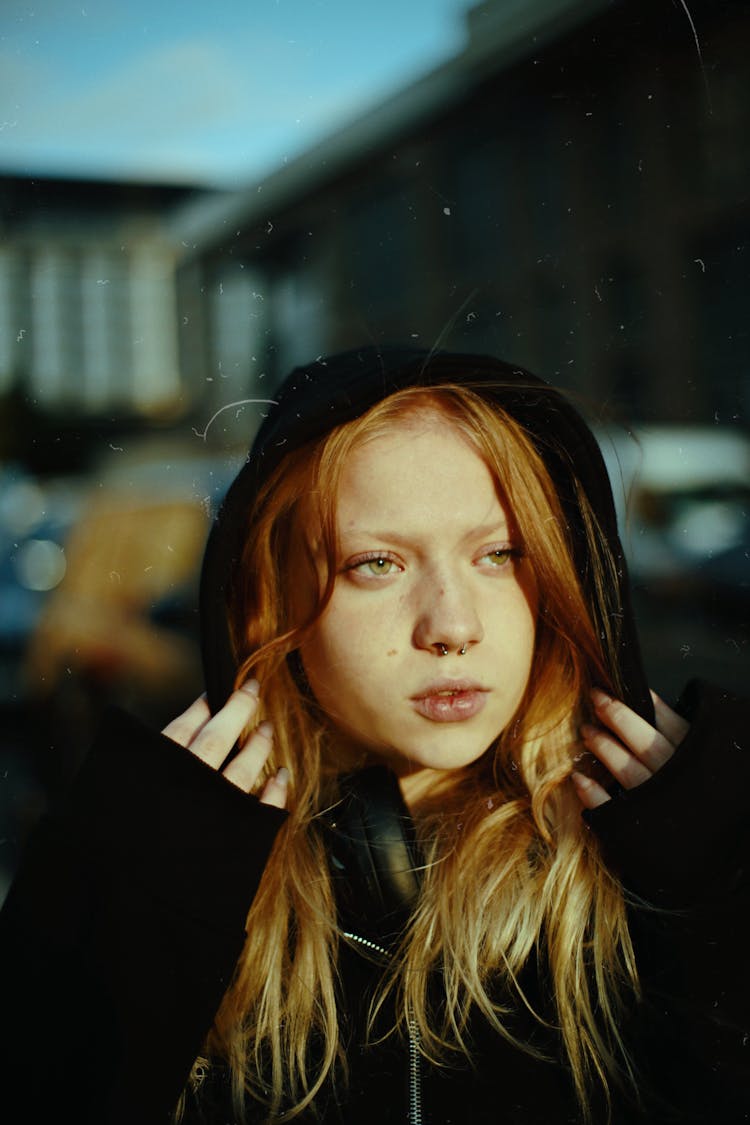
x=629 y=747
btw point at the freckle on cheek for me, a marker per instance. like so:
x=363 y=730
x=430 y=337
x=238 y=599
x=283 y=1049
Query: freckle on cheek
x=392 y=651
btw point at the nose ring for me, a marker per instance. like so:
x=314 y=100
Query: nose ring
x=444 y=649
x=462 y=650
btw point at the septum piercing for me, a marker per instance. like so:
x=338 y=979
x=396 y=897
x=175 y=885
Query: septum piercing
x=444 y=649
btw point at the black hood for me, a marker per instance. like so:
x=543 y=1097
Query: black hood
x=315 y=398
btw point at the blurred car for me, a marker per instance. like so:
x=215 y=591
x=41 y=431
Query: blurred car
x=102 y=595
x=683 y=500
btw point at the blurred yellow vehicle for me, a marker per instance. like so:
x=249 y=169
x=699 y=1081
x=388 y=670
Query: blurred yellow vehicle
x=120 y=627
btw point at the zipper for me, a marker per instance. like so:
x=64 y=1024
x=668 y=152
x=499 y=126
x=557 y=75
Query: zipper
x=415 y=1074
x=366 y=943
x=415 y=1056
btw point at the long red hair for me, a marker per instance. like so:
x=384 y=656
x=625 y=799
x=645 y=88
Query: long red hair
x=521 y=873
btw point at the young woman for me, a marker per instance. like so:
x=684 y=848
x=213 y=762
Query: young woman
x=428 y=850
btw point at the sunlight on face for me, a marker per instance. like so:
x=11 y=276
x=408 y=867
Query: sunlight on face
x=430 y=565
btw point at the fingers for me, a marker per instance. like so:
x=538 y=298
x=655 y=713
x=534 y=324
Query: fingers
x=648 y=744
x=184 y=728
x=624 y=766
x=590 y=792
x=275 y=790
x=211 y=738
x=629 y=747
x=245 y=767
x=671 y=725
x=216 y=738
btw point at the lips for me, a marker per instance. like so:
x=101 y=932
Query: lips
x=450 y=701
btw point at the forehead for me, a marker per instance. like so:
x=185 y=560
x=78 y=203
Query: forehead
x=420 y=466
x=399 y=431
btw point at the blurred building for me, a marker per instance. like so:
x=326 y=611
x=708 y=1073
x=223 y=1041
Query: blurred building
x=88 y=320
x=569 y=192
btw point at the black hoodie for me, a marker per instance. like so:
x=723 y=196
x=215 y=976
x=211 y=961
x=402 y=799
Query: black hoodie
x=127 y=916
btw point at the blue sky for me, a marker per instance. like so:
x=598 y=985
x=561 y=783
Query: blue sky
x=209 y=91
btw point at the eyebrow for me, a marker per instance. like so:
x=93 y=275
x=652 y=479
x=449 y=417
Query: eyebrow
x=489 y=531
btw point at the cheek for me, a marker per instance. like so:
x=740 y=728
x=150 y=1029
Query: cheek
x=353 y=630
x=519 y=644
x=526 y=607
x=529 y=643
x=346 y=659
x=331 y=653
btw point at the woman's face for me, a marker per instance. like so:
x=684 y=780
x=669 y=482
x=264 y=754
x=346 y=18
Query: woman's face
x=427 y=567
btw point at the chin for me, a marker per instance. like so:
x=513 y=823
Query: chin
x=436 y=757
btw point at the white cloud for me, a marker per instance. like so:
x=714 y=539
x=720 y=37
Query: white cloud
x=170 y=107
x=92 y=87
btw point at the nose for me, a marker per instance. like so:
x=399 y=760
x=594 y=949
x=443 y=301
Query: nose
x=447 y=618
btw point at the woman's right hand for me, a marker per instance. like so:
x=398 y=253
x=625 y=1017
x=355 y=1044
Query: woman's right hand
x=211 y=738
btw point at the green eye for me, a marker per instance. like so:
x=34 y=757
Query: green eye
x=377 y=566
x=373 y=566
x=499 y=557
